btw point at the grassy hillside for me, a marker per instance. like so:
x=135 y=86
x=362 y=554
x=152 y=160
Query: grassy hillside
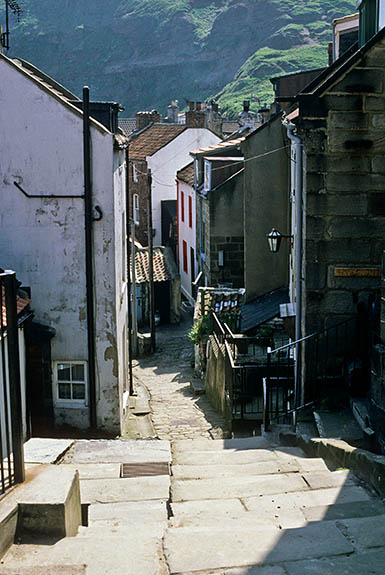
x=143 y=53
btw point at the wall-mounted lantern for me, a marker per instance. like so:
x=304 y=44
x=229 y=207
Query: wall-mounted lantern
x=274 y=238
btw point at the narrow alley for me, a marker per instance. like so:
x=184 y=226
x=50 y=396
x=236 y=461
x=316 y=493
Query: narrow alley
x=179 y=410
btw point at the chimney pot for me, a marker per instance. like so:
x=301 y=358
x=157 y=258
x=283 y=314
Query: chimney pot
x=246 y=105
x=199 y=105
x=191 y=106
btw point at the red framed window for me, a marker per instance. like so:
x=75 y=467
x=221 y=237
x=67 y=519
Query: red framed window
x=182 y=206
x=190 y=211
x=185 y=264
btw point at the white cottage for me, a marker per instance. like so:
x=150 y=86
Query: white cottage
x=63 y=227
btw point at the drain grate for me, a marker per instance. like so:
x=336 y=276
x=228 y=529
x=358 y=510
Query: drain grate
x=144 y=469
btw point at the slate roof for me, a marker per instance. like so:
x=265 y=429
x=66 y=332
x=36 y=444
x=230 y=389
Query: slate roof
x=128 y=125
x=219 y=148
x=262 y=309
x=153 y=138
x=21 y=304
x=163 y=263
x=186 y=174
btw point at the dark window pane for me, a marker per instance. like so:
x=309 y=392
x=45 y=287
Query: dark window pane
x=64 y=372
x=78 y=372
x=78 y=391
x=64 y=391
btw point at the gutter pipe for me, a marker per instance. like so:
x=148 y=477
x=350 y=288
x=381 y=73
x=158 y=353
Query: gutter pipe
x=290 y=127
x=89 y=257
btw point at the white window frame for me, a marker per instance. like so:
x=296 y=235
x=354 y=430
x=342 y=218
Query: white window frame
x=70 y=403
x=135 y=209
x=207 y=176
x=134 y=174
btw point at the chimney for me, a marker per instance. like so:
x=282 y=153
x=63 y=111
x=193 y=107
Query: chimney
x=195 y=118
x=246 y=105
x=143 y=119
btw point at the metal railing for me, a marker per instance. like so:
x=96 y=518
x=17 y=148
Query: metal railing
x=11 y=427
x=325 y=358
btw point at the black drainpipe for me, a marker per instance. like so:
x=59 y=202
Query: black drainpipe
x=89 y=257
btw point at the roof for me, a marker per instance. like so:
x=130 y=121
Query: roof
x=163 y=263
x=186 y=174
x=340 y=66
x=21 y=304
x=128 y=125
x=220 y=147
x=296 y=73
x=153 y=138
x=50 y=86
x=262 y=309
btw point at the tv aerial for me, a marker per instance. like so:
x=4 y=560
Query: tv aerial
x=10 y=5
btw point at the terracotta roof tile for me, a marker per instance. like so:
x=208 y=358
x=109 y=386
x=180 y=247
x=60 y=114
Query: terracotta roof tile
x=21 y=304
x=163 y=263
x=153 y=139
x=186 y=174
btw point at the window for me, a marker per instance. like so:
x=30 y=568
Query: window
x=207 y=180
x=182 y=206
x=135 y=209
x=185 y=264
x=70 y=381
x=190 y=211
x=134 y=174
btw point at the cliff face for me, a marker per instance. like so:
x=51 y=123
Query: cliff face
x=143 y=53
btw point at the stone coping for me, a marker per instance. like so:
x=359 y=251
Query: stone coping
x=366 y=465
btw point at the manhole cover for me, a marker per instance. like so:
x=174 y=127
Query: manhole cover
x=144 y=469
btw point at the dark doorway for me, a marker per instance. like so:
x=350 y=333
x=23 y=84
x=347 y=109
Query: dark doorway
x=162 y=300
x=169 y=225
x=39 y=380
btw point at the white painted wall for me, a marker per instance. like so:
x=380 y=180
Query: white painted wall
x=43 y=239
x=381 y=14
x=166 y=162
x=188 y=235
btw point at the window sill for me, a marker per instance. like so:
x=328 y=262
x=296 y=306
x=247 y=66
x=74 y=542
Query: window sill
x=70 y=404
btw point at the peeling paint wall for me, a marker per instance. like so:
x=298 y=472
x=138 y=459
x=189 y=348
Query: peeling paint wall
x=43 y=239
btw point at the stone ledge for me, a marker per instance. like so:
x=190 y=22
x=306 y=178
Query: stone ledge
x=366 y=465
x=46 y=504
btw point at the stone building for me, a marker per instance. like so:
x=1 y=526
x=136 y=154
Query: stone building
x=218 y=182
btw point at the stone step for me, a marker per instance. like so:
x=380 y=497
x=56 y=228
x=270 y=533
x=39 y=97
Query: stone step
x=236 y=522
x=270 y=505
x=119 y=451
x=241 y=443
x=130 y=489
x=142 y=511
x=234 y=456
x=228 y=488
x=42 y=570
x=100 y=555
x=95 y=470
x=144 y=529
x=361 y=563
x=289 y=465
x=192 y=549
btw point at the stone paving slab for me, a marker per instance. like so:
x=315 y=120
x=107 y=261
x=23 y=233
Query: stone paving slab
x=228 y=488
x=365 y=532
x=212 y=507
x=119 y=451
x=232 y=470
x=192 y=549
x=96 y=470
x=344 y=511
x=283 y=519
x=42 y=570
x=101 y=555
x=131 y=489
x=224 y=457
x=270 y=570
x=369 y=563
x=310 y=464
x=305 y=499
x=142 y=511
x=45 y=450
x=242 y=443
x=325 y=479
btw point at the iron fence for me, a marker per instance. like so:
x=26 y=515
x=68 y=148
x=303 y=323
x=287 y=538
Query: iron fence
x=11 y=428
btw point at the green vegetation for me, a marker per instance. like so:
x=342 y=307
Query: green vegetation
x=143 y=53
x=253 y=78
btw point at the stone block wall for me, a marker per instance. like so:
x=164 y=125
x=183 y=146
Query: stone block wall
x=344 y=200
x=233 y=257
